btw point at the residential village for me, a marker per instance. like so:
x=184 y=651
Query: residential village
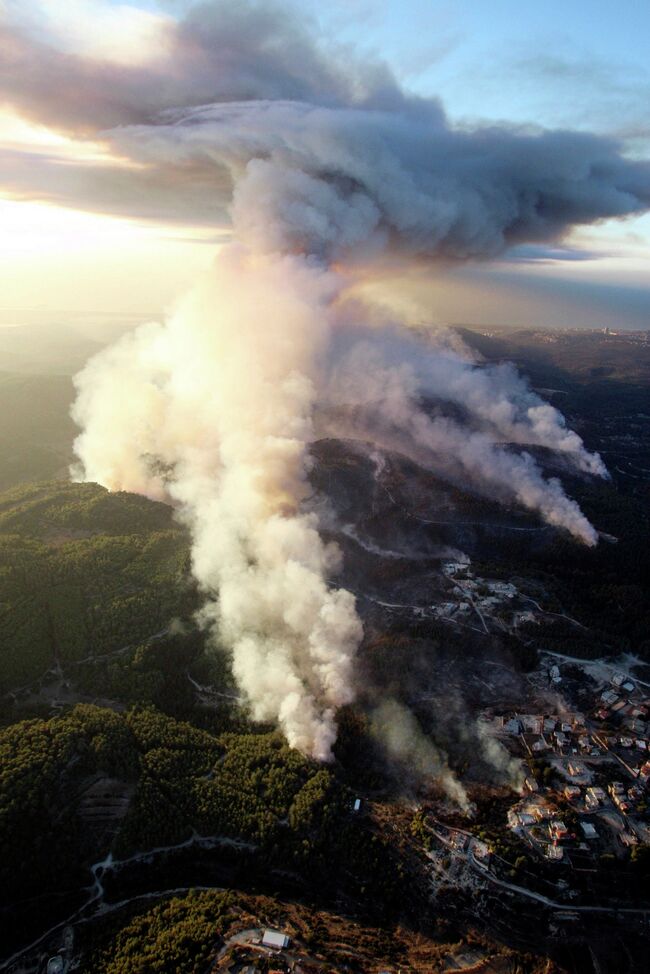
x=570 y=855
x=586 y=790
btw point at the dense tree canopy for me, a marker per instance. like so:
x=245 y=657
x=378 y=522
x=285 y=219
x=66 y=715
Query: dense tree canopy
x=180 y=934
x=84 y=573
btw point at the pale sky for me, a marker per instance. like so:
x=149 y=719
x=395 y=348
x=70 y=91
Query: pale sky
x=68 y=241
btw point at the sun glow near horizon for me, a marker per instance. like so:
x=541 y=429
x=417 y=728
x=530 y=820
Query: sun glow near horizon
x=59 y=248
x=55 y=257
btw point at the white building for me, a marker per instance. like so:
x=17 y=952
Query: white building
x=595 y=797
x=273 y=938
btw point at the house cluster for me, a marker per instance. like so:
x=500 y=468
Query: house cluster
x=617 y=724
x=589 y=769
x=622 y=709
x=544 y=734
x=473 y=594
x=538 y=821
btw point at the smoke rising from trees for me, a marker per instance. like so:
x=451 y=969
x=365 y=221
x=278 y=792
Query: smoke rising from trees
x=320 y=167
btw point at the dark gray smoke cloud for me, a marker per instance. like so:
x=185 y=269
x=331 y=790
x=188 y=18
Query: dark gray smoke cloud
x=219 y=51
x=327 y=180
x=335 y=153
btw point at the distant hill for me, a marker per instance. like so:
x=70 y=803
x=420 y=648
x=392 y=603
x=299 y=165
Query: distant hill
x=45 y=349
x=548 y=355
x=36 y=430
x=84 y=573
x=37 y=363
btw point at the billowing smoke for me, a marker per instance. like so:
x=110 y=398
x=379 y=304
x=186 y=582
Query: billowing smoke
x=320 y=167
x=437 y=363
x=328 y=181
x=385 y=409
x=212 y=410
x=399 y=732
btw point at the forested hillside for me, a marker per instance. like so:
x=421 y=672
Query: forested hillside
x=83 y=574
x=75 y=787
x=179 y=934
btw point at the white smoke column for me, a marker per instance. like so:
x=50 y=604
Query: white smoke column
x=213 y=410
x=509 y=768
x=388 y=413
x=404 y=741
x=495 y=395
x=344 y=183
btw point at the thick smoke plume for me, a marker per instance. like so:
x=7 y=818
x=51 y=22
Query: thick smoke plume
x=386 y=410
x=319 y=167
x=213 y=411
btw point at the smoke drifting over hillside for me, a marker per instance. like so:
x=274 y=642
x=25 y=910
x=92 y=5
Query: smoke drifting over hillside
x=382 y=391
x=401 y=736
x=213 y=409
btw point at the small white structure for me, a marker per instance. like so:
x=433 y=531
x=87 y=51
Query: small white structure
x=357 y=805
x=273 y=938
x=589 y=830
x=595 y=797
